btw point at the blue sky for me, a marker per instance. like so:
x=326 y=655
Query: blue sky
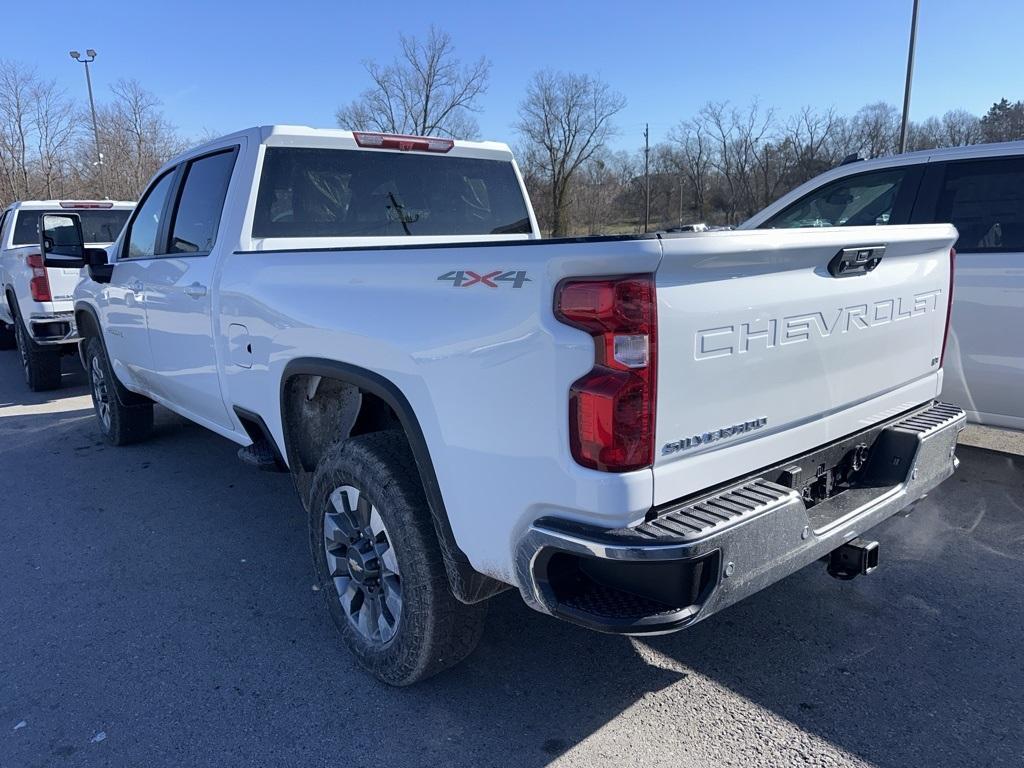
x=222 y=65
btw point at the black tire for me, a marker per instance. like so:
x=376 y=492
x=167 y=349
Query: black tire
x=433 y=630
x=119 y=424
x=40 y=364
x=7 y=340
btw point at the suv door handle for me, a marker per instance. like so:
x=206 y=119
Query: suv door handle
x=195 y=291
x=135 y=286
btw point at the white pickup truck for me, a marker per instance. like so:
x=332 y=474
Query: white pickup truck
x=634 y=432
x=36 y=308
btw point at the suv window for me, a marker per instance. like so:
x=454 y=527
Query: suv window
x=200 y=203
x=984 y=199
x=861 y=200
x=372 y=193
x=145 y=227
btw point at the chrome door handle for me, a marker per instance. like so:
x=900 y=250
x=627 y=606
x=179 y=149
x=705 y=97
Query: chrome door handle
x=135 y=286
x=195 y=291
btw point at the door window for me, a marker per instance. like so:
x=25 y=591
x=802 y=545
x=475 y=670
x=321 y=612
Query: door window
x=197 y=214
x=984 y=200
x=862 y=200
x=145 y=227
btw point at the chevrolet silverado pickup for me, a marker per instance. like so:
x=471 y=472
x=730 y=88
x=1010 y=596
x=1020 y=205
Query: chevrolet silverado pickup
x=36 y=308
x=635 y=432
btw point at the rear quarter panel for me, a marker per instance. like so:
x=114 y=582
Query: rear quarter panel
x=486 y=369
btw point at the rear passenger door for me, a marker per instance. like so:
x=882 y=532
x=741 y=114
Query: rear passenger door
x=984 y=199
x=179 y=312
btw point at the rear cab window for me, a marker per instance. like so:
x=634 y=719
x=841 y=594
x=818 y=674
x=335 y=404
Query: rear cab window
x=865 y=199
x=98 y=226
x=983 y=199
x=323 y=192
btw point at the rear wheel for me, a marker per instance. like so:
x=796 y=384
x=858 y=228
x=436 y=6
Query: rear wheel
x=379 y=564
x=120 y=424
x=41 y=365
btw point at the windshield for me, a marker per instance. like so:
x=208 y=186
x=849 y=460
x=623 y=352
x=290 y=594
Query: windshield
x=370 y=193
x=98 y=226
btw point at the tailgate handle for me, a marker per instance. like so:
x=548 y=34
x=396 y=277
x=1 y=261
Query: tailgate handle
x=858 y=260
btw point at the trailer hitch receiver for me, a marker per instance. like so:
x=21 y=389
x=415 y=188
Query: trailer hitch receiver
x=854 y=558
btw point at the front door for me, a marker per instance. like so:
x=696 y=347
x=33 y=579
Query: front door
x=179 y=312
x=124 y=322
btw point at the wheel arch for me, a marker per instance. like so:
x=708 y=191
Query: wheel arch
x=87 y=320
x=467 y=584
x=12 y=301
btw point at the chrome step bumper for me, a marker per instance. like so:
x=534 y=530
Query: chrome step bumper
x=693 y=558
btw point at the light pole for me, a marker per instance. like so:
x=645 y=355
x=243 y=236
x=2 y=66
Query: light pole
x=90 y=56
x=910 y=75
x=647 y=176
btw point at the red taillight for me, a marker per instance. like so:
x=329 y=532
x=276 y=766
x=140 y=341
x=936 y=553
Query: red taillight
x=403 y=143
x=39 y=285
x=611 y=408
x=949 y=305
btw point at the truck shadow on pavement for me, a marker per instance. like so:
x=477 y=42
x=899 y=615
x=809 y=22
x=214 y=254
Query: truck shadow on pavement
x=167 y=588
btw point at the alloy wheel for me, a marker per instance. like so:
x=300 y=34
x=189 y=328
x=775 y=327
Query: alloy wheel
x=362 y=565
x=100 y=393
x=22 y=344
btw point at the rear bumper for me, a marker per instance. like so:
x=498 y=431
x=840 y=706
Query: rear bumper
x=50 y=330
x=694 y=557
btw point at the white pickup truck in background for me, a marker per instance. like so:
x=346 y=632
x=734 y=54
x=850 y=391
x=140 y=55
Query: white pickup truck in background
x=36 y=310
x=634 y=432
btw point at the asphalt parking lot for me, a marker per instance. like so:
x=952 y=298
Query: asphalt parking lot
x=156 y=608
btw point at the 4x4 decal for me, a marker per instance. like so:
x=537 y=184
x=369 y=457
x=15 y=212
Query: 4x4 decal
x=464 y=278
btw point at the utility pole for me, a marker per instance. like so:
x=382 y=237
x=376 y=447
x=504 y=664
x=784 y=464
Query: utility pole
x=647 y=176
x=91 y=57
x=910 y=75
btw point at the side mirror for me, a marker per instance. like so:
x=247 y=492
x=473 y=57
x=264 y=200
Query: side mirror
x=61 y=241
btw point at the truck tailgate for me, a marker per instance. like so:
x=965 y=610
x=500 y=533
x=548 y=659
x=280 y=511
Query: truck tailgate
x=763 y=353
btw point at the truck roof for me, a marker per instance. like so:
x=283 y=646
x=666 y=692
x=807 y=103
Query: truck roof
x=305 y=136
x=71 y=204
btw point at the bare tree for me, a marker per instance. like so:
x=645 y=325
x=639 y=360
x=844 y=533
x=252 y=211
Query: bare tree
x=565 y=120
x=812 y=141
x=960 y=128
x=876 y=128
x=599 y=182
x=135 y=138
x=16 y=86
x=37 y=131
x=426 y=92
x=56 y=129
x=694 y=143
